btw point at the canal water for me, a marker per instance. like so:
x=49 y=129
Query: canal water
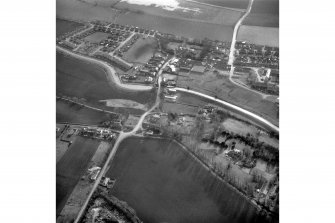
x=163 y=183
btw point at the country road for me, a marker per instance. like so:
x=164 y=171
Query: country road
x=122 y=136
x=110 y=71
x=237 y=26
x=234 y=107
x=232 y=53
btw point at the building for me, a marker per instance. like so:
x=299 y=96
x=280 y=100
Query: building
x=198 y=69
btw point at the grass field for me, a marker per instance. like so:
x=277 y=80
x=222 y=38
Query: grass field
x=221 y=87
x=97 y=37
x=71 y=167
x=76 y=78
x=64 y=26
x=268 y=36
x=163 y=183
x=142 y=50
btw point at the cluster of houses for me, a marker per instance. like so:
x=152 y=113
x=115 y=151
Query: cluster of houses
x=98 y=133
x=133 y=29
x=256 y=56
x=148 y=71
x=114 y=39
x=265 y=80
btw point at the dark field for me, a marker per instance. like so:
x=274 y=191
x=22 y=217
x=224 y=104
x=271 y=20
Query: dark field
x=76 y=78
x=263 y=12
x=64 y=26
x=185 y=28
x=163 y=183
x=71 y=167
x=67 y=112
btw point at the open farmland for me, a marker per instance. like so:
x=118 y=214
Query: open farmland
x=76 y=78
x=65 y=26
x=71 y=167
x=198 y=30
x=186 y=11
x=163 y=183
x=268 y=36
x=141 y=51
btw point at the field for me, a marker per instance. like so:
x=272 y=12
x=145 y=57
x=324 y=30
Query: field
x=186 y=11
x=179 y=108
x=163 y=183
x=79 y=10
x=142 y=50
x=263 y=12
x=66 y=112
x=64 y=26
x=71 y=167
x=76 y=78
x=97 y=37
x=198 y=30
x=122 y=103
x=268 y=36
x=210 y=84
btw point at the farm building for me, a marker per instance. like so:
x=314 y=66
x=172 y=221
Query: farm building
x=197 y=69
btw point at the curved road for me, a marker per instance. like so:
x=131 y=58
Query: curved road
x=110 y=70
x=234 y=107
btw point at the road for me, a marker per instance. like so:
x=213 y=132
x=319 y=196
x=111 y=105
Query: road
x=122 y=136
x=234 y=107
x=110 y=71
x=232 y=53
x=237 y=26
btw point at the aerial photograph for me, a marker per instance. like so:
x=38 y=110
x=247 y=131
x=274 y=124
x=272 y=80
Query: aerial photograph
x=167 y=111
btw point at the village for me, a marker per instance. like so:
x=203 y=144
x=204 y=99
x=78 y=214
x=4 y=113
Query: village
x=247 y=161
x=255 y=66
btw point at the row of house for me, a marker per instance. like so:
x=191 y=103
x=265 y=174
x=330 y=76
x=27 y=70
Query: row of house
x=132 y=29
x=114 y=61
